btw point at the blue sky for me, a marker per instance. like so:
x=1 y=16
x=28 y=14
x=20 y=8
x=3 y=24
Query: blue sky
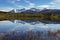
x=6 y=5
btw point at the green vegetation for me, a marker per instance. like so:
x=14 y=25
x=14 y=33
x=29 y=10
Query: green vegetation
x=28 y=16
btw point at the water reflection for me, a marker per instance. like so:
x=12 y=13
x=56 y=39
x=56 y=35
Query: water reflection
x=8 y=25
x=12 y=30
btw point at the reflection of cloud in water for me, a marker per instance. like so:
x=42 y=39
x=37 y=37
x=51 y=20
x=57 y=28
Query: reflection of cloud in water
x=6 y=26
x=5 y=23
x=52 y=27
x=28 y=27
x=44 y=26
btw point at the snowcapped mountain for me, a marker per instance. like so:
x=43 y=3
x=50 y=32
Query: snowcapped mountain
x=18 y=10
x=51 y=11
x=26 y=21
x=32 y=10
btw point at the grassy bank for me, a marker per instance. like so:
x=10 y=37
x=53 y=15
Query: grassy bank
x=28 y=16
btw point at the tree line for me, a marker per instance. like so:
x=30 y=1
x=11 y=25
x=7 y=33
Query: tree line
x=28 y=16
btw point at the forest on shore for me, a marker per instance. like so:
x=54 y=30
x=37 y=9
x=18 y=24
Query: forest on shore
x=28 y=16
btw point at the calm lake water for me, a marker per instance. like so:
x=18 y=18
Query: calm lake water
x=6 y=26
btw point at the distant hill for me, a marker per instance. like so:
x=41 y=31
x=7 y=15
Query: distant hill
x=51 y=11
x=32 y=10
x=35 y=11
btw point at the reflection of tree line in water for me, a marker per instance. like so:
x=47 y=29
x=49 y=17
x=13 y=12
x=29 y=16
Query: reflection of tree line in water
x=27 y=16
x=31 y=35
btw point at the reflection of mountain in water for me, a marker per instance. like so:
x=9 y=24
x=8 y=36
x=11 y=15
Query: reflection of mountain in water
x=26 y=21
x=36 y=21
x=31 y=32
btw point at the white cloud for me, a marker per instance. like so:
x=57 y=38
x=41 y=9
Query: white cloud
x=56 y=4
x=13 y=1
x=44 y=6
x=56 y=0
x=52 y=3
x=3 y=8
x=31 y=5
x=19 y=6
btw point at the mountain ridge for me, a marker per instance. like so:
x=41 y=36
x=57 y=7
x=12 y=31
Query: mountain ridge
x=35 y=10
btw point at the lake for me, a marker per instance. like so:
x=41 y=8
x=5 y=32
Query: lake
x=27 y=31
x=6 y=26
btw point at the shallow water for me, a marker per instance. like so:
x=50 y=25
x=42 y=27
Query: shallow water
x=6 y=26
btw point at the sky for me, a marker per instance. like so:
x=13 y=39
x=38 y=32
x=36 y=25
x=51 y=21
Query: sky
x=7 y=5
